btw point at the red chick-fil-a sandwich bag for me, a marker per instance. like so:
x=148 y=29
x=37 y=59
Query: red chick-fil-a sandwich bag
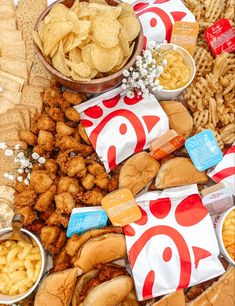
x=173 y=246
x=118 y=126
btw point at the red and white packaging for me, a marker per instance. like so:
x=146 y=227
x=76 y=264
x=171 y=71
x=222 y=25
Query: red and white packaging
x=221 y=37
x=224 y=172
x=173 y=246
x=118 y=126
x=158 y=17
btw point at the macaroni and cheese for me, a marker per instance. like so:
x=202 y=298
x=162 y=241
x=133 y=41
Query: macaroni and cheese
x=20 y=265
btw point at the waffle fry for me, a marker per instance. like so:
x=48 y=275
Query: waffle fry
x=213 y=9
x=228 y=133
x=200 y=118
x=203 y=60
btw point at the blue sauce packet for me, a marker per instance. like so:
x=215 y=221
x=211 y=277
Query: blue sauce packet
x=84 y=218
x=204 y=150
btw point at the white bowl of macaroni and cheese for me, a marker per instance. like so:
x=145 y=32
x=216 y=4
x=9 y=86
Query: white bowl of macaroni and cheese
x=21 y=268
x=178 y=73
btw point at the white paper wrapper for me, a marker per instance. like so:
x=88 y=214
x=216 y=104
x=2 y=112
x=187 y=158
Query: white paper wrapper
x=118 y=126
x=224 y=172
x=173 y=245
x=158 y=17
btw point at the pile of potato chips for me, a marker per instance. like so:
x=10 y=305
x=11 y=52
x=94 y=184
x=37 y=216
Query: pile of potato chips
x=89 y=40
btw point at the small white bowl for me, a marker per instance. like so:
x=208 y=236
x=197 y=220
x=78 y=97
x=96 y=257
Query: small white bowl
x=171 y=94
x=11 y=299
x=219 y=227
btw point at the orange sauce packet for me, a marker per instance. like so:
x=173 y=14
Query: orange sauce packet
x=185 y=34
x=121 y=207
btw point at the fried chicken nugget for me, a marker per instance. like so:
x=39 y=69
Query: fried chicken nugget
x=70 y=143
x=25 y=198
x=53 y=238
x=94 y=167
x=88 y=182
x=40 y=181
x=44 y=215
x=45 y=199
x=102 y=181
x=56 y=114
x=46 y=140
x=28 y=213
x=28 y=137
x=58 y=219
x=90 y=198
x=70 y=164
x=41 y=151
x=73 y=97
x=61 y=261
x=51 y=96
x=63 y=129
x=35 y=227
x=68 y=184
x=45 y=123
x=51 y=166
x=72 y=115
x=64 y=203
x=83 y=134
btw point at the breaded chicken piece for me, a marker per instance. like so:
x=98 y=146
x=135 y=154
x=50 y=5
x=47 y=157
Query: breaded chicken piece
x=64 y=203
x=58 y=219
x=71 y=164
x=45 y=199
x=46 y=140
x=91 y=198
x=28 y=137
x=40 y=181
x=44 y=122
x=25 y=198
x=28 y=213
x=53 y=238
x=68 y=184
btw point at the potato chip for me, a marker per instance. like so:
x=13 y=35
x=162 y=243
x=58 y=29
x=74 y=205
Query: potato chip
x=114 y=13
x=38 y=41
x=124 y=44
x=104 y=59
x=127 y=10
x=77 y=77
x=58 y=61
x=82 y=28
x=130 y=27
x=53 y=51
x=53 y=33
x=82 y=69
x=125 y=60
x=86 y=56
x=105 y=31
x=75 y=55
x=59 y=12
x=85 y=42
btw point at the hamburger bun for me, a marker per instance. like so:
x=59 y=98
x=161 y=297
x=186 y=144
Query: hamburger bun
x=174 y=299
x=100 y=250
x=180 y=119
x=57 y=288
x=108 y=285
x=221 y=292
x=179 y=171
x=138 y=171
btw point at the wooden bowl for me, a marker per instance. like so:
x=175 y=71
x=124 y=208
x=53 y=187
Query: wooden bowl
x=94 y=86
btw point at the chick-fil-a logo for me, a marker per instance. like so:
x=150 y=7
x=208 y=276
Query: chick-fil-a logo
x=189 y=212
x=108 y=112
x=153 y=15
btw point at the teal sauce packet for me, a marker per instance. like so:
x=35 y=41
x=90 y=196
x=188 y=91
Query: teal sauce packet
x=204 y=150
x=83 y=219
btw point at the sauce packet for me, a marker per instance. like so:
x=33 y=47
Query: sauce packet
x=204 y=150
x=217 y=198
x=185 y=34
x=166 y=144
x=121 y=207
x=221 y=37
x=83 y=219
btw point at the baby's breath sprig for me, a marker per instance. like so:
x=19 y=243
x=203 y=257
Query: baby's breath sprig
x=142 y=78
x=24 y=160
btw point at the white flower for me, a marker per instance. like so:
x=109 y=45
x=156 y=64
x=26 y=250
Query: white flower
x=8 y=152
x=28 y=176
x=130 y=94
x=17 y=146
x=3 y=146
x=26 y=182
x=160 y=69
x=41 y=160
x=152 y=45
x=30 y=166
x=21 y=155
x=35 y=155
x=131 y=69
x=20 y=179
x=124 y=81
x=164 y=62
x=135 y=75
x=20 y=171
x=126 y=73
x=26 y=170
x=138 y=58
x=6 y=175
x=24 y=163
x=11 y=177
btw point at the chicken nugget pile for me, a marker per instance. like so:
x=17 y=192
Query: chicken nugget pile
x=71 y=176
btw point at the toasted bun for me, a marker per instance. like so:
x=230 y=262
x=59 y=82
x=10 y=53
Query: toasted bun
x=179 y=171
x=57 y=289
x=221 y=293
x=179 y=118
x=130 y=300
x=100 y=250
x=174 y=299
x=138 y=171
x=109 y=293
